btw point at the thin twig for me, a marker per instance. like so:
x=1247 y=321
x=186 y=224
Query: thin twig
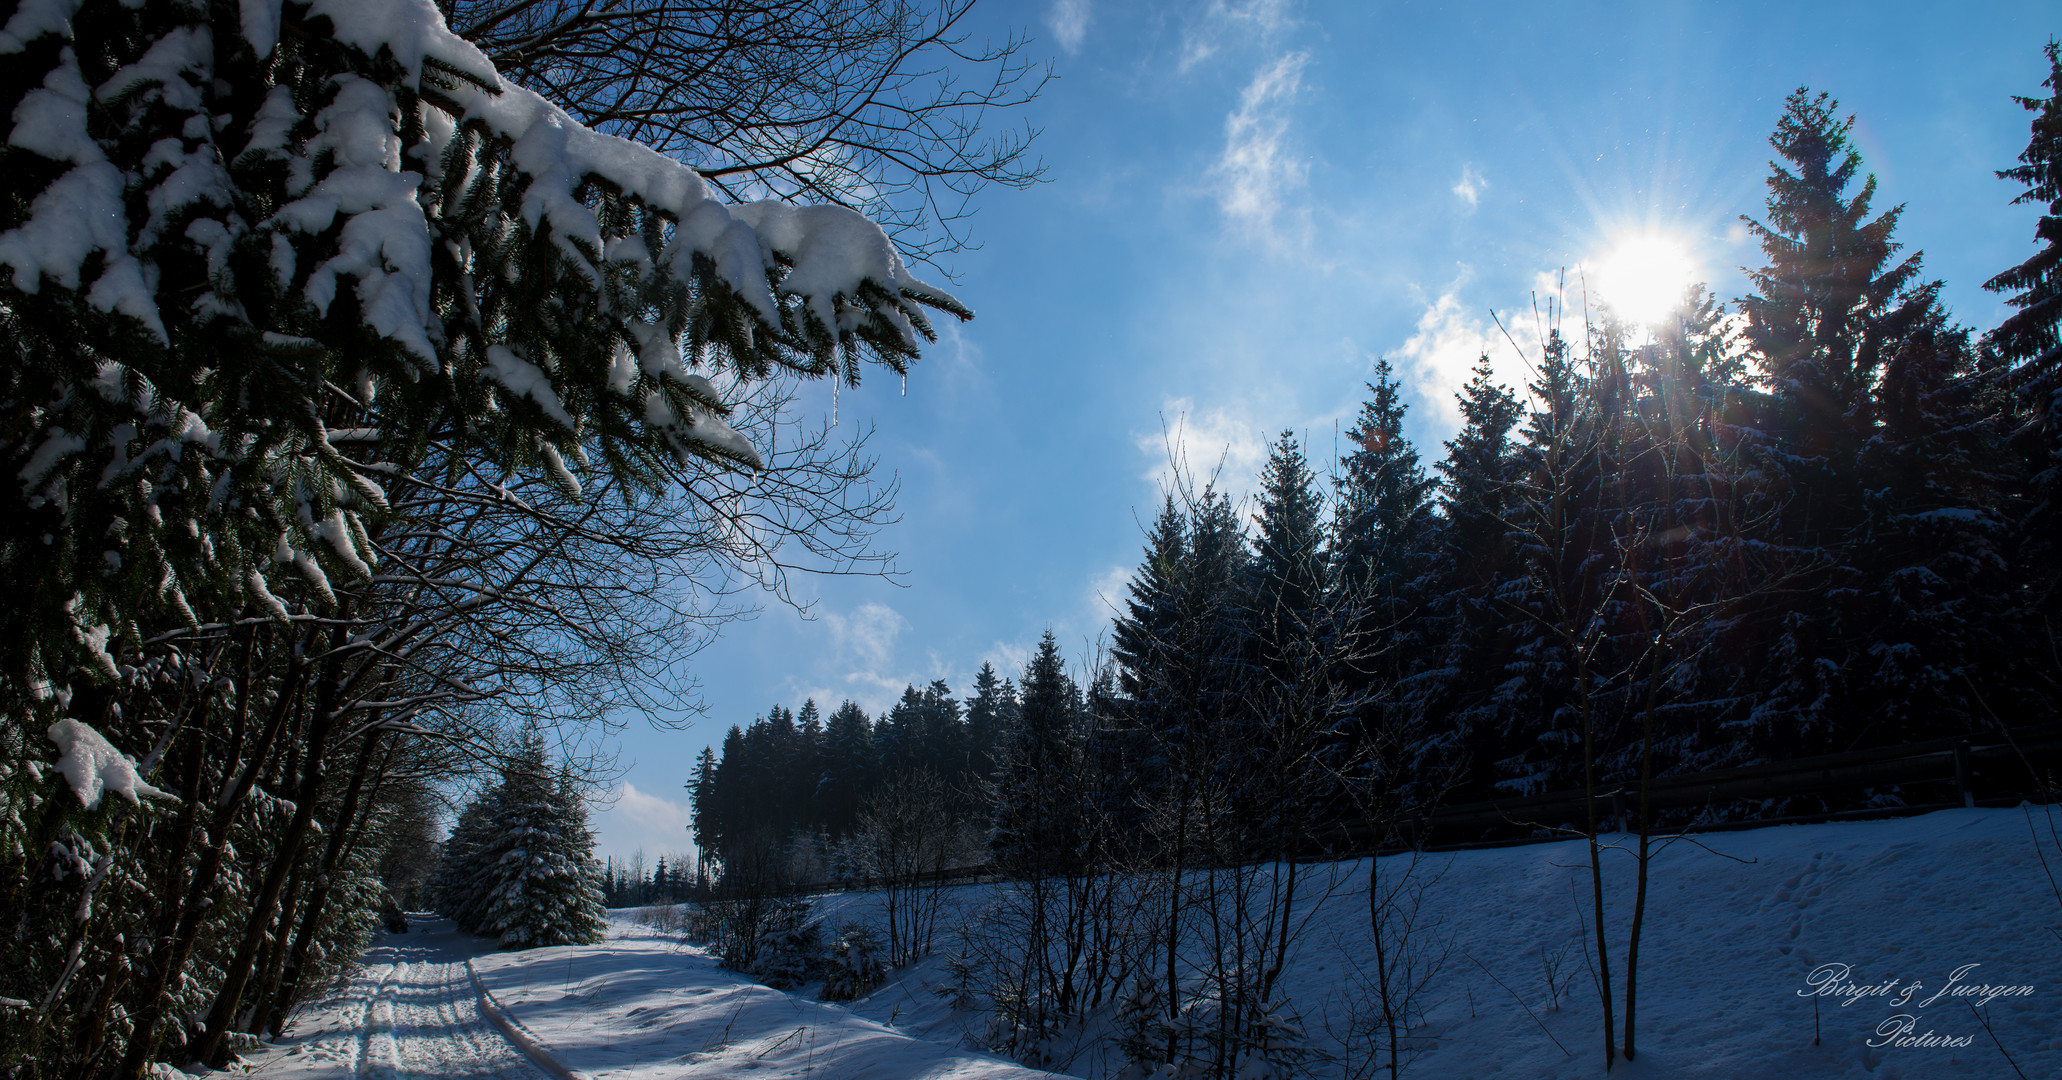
x=2041 y=851
x=1985 y=1021
x=1520 y=1001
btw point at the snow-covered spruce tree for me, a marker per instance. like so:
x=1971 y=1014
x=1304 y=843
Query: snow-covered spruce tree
x=520 y=867
x=543 y=887
x=1948 y=634
x=232 y=230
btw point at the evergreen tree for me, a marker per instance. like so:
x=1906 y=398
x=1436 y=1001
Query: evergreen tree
x=898 y=737
x=1287 y=717
x=1829 y=309
x=942 y=734
x=1451 y=696
x=2030 y=340
x=726 y=799
x=849 y=768
x=1384 y=507
x=701 y=798
x=1382 y=523
x=2032 y=335
x=783 y=801
x=457 y=889
x=1212 y=672
x=183 y=241
x=521 y=865
x=1143 y=641
x=986 y=717
x=1038 y=829
x=538 y=864
x=1475 y=494
x=1289 y=560
x=1947 y=639
x=1561 y=500
x=1827 y=285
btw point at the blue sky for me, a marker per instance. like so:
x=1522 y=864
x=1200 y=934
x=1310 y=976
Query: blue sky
x=1247 y=204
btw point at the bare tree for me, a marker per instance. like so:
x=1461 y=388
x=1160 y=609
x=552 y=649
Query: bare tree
x=880 y=105
x=906 y=834
x=1409 y=953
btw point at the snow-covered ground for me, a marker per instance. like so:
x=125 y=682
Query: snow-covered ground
x=639 y=1005
x=1737 y=923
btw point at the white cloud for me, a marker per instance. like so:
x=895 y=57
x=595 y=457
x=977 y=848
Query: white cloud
x=1111 y=588
x=1257 y=169
x=1230 y=23
x=1440 y=356
x=862 y=658
x=1470 y=186
x=1213 y=447
x=1007 y=657
x=631 y=820
x=1069 y=22
x=866 y=637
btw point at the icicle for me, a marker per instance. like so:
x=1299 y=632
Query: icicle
x=905 y=384
x=834 y=399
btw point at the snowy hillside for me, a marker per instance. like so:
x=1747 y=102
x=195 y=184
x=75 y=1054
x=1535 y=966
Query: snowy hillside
x=1737 y=925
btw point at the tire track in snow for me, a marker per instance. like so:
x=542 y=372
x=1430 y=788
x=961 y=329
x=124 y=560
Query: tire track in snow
x=411 y=1013
x=425 y=1021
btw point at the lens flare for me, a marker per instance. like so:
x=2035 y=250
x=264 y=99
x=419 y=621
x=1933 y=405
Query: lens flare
x=1643 y=277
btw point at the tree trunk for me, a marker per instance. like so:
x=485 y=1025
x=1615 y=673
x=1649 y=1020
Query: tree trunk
x=155 y=992
x=265 y=905
x=1596 y=867
x=1639 y=903
x=278 y=998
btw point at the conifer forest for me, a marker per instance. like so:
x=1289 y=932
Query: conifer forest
x=402 y=393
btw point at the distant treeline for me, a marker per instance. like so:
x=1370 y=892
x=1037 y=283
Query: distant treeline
x=793 y=773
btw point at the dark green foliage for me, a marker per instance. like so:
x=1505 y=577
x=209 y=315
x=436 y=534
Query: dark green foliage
x=1384 y=509
x=2029 y=345
x=520 y=865
x=1039 y=826
x=1471 y=555
x=2030 y=335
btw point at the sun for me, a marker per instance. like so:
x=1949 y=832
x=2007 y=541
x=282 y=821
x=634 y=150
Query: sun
x=1643 y=277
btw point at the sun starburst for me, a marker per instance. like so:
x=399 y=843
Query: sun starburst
x=1643 y=277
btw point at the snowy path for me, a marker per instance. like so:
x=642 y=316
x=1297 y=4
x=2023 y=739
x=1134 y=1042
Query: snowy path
x=410 y=1013
x=639 y=1006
